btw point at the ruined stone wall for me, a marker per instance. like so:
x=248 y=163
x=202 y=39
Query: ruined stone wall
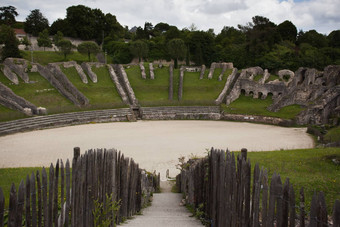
x=202 y=72
x=180 y=84
x=125 y=81
x=47 y=74
x=64 y=81
x=10 y=75
x=119 y=87
x=87 y=68
x=79 y=69
x=19 y=66
x=142 y=70
x=228 y=85
x=152 y=73
x=9 y=99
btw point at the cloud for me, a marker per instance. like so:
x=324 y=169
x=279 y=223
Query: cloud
x=312 y=14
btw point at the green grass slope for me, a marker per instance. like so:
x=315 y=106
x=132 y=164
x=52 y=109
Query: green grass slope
x=312 y=169
x=102 y=95
x=205 y=91
x=250 y=106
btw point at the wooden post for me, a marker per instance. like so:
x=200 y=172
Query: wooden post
x=336 y=214
x=12 y=207
x=50 y=196
x=68 y=189
x=44 y=196
x=28 y=208
x=302 y=208
x=39 y=199
x=21 y=203
x=2 y=207
x=33 y=201
x=244 y=153
x=76 y=152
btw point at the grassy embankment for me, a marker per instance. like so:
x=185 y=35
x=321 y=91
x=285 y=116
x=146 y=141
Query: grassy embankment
x=155 y=92
x=45 y=57
x=312 y=169
x=101 y=95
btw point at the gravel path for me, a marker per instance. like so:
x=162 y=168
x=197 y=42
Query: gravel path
x=165 y=212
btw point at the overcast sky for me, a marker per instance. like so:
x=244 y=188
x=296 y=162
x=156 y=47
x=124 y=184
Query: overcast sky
x=321 y=15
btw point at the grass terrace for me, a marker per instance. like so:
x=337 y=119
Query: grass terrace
x=102 y=95
x=250 y=106
x=45 y=57
x=205 y=91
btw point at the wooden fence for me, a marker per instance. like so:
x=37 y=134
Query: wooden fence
x=224 y=187
x=62 y=198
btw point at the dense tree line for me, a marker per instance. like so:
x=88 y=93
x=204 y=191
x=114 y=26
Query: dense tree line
x=259 y=42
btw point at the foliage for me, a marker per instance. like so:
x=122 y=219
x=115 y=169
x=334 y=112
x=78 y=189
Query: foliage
x=65 y=47
x=177 y=50
x=88 y=48
x=86 y=23
x=139 y=49
x=119 y=51
x=7 y=37
x=7 y=15
x=35 y=22
x=287 y=31
x=313 y=38
x=105 y=212
x=58 y=37
x=25 y=41
x=44 y=39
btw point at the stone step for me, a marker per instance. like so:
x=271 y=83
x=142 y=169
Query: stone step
x=40 y=122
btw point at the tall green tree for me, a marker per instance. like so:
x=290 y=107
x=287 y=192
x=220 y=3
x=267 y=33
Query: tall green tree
x=10 y=48
x=177 y=50
x=25 y=41
x=313 y=38
x=65 y=47
x=139 y=49
x=58 y=37
x=88 y=48
x=44 y=39
x=287 y=31
x=334 y=39
x=35 y=22
x=8 y=14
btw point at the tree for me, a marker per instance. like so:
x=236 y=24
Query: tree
x=334 y=39
x=65 y=47
x=7 y=15
x=287 y=31
x=88 y=48
x=25 y=41
x=44 y=39
x=177 y=50
x=58 y=37
x=35 y=22
x=139 y=49
x=7 y=37
x=313 y=38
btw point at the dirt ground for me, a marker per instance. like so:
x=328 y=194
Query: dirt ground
x=155 y=145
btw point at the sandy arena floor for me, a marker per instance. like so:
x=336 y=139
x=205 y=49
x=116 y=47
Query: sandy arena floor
x=155 y=145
